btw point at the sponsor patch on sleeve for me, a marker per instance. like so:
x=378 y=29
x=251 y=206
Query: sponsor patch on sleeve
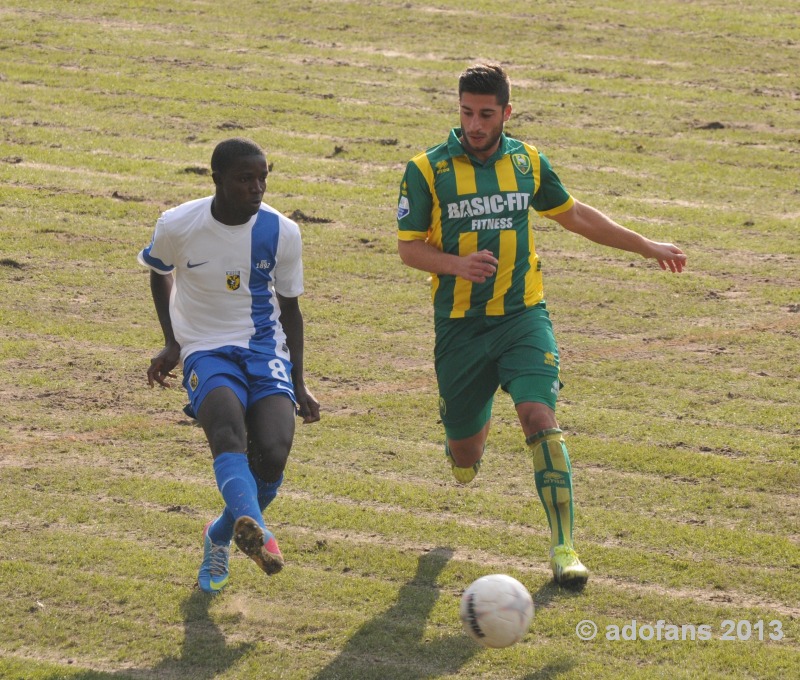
x=402 y=208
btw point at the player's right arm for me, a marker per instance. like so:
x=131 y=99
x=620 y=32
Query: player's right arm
x=159 y=257
x=162 y=364
x=414 y=209
x=475 y=267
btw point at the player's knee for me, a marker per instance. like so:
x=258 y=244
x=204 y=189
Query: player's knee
x=468 y=451
x=536 y=417
x=224 y=438
x=268 y=459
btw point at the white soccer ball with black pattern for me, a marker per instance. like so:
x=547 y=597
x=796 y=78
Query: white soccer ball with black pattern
x=496 y=610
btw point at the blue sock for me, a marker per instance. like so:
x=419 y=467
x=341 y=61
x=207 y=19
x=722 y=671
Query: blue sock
x=267 y=491
x=221 y=529
x=239 y=491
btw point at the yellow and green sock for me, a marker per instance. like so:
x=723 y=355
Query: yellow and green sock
x=553 y=477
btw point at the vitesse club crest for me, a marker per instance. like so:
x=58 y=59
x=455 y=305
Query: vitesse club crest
x=233 y=280
x=193 y=381
x=521 y=162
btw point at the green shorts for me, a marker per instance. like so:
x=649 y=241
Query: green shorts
x=476 y=355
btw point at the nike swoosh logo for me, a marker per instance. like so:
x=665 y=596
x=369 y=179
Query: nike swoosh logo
x=190 y=265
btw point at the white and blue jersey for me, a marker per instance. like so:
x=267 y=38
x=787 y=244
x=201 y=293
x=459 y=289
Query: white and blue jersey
x=226 y=278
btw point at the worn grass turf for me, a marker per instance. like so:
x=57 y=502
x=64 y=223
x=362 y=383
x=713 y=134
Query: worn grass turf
x=680 y=407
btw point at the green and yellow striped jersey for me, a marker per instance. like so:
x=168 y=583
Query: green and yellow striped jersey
x=461 y=206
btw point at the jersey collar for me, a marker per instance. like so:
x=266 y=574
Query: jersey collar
x=454 y=148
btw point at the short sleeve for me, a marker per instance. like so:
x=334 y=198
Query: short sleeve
x=551 y=198
x=289 y=260
x=159 y=254
x=414 y=203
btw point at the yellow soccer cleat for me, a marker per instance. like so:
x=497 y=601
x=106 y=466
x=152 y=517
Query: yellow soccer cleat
x=463 y=475
x=568 y=570
x=466 y=475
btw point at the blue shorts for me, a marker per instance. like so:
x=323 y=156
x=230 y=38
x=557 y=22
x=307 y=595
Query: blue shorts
x=251 y=375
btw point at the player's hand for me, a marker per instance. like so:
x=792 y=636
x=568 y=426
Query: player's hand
x=669 y=256
x=307 y=405
x=162 y=364
x=477 y=267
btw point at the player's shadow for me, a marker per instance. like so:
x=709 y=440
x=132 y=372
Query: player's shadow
x=553 y=670
x=392 y=645
x=551 y=591
x=204 y=653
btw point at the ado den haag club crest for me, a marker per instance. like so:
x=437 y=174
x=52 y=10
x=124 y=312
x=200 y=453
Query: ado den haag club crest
x=521 y=162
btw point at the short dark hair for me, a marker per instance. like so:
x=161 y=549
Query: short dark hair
x=229 y=150
x=486 y=78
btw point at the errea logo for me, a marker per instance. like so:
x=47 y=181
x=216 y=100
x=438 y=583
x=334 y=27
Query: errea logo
x=554 y=478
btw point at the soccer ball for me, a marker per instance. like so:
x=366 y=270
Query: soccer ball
x=496 y=610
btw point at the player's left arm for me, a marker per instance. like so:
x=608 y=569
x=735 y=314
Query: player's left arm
x=292 y=322
x=592 y=224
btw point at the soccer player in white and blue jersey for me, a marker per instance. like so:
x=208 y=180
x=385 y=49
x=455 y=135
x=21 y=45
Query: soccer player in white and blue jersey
x=226 y=272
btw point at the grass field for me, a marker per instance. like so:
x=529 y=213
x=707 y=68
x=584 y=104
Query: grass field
x=679 y=119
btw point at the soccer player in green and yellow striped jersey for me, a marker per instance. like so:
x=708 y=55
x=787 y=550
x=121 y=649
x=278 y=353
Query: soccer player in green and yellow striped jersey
x=462 y=207
x=466 y=215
